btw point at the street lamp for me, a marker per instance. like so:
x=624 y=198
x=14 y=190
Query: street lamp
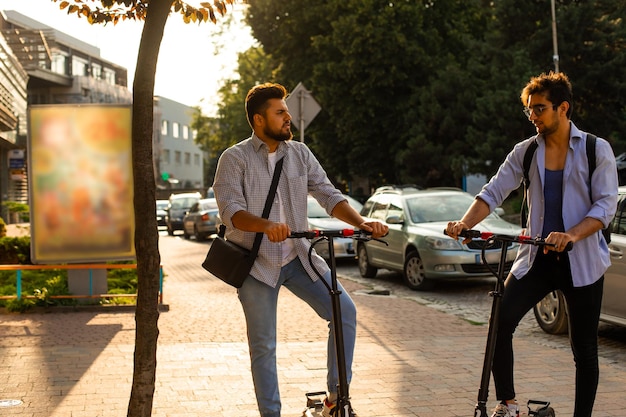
x=555 y=57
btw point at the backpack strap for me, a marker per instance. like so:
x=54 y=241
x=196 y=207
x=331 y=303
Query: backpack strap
x=590 y=144
x=591 y=157
x=528 y=157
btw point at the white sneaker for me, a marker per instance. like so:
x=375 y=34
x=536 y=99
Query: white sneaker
x=506 y=410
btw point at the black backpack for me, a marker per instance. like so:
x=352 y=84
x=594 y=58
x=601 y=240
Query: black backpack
x=591 y=159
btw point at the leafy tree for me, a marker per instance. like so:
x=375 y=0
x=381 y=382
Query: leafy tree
x=591 y=40
x=427 y=92
x=154 y=14
x=229 y=126
x=368 y=63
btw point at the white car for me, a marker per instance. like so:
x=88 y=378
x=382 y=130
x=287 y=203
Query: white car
x=320 y=220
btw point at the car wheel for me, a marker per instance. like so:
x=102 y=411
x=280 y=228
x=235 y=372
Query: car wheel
x=551 y=313
x=199 y=236
x=413 y=273
x=185 y=234
x=365 y=269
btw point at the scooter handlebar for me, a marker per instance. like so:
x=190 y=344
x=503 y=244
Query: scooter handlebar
x=360 y=235
x=525 y=240
x=312 y=234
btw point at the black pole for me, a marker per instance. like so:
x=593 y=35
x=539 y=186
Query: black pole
x=483 y=393
x=343 y=397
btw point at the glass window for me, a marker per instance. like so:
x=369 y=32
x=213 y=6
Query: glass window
x=177 y=156
x=379 y=209
x=166 y=156
x=185 y=132
x=58 y=64
x=187 y=158
x=96 y=71
x=109 y=76
x=175 y=129
x=164 y=127
x=395 y=207
x=79 y=66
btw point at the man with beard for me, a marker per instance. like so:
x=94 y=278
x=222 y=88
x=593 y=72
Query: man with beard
x=564 y=206
x=242 y=181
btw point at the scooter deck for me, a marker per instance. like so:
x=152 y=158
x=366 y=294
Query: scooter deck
x=312 y=412
x=314 y=404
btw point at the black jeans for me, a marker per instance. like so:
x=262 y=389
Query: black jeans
x=551 y=272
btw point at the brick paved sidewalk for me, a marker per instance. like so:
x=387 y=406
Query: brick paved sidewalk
x=411 y=360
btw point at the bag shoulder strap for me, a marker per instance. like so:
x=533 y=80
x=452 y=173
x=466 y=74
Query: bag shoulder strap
x=268 y=205
x=266 y=209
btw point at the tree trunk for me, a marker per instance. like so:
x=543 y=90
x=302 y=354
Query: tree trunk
x=146 y=231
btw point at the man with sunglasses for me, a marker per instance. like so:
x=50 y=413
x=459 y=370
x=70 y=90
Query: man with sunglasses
x=561 y=209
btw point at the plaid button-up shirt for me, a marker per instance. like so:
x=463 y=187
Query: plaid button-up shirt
x=242 y=182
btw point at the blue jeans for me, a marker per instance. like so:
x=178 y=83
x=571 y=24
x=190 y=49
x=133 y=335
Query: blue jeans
x=259 y=305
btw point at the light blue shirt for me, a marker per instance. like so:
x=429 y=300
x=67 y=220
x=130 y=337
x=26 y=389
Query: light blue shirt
x=242 y=181
x=589 y=257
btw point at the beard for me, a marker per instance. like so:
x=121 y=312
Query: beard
x=548 y=129
x=278 y=135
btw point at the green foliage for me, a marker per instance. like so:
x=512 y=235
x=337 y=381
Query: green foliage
x=19 y=305
x=17 y=207
x=45 y=283
x=215 y=134
x=15 y=250
x=427 y=92
x=3 y=228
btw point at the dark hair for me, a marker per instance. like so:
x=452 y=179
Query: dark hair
x=257 y=97
x=556 y=85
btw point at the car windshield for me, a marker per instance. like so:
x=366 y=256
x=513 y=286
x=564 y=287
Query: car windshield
x=183 y=203
x=438 y=208
x=315 y=210
x=162 y=205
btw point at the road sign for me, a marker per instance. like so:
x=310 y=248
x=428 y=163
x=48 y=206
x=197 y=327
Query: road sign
x=16 y=158
x=303 y=108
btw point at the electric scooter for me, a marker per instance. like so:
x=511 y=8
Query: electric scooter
x=315 y=400
x=535 y=407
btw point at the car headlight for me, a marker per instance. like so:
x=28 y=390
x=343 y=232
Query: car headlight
x=442 y=243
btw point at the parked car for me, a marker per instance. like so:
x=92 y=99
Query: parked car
x=161 y=213
x=417 y=246
x=179 y=205
x=201 y=220
x=320 y=220
x=551 y=313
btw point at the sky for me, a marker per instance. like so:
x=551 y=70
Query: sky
x=193 y=58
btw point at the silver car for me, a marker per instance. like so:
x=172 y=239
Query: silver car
x=201 y=219
x=179 y=205
x=320 y=220
x=551 y=313
x=417 y=246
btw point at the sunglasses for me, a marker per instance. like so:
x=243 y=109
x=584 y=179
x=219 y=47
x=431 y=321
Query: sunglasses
x=538 y=109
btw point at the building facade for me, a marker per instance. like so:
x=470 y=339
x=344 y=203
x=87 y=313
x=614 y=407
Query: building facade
x=179 y=162
x=42 y=65
x=13 y=127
